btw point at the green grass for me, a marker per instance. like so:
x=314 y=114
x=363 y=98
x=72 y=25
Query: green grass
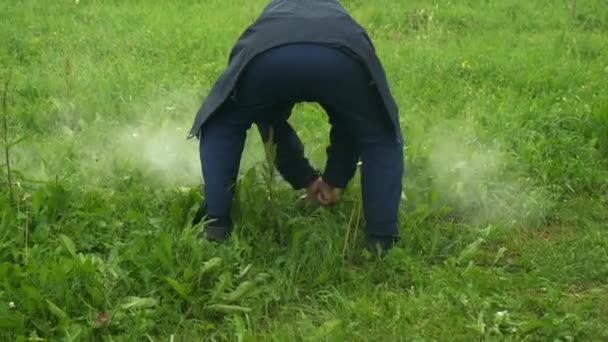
x=505 y=111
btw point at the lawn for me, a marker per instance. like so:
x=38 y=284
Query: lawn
x=504 y=108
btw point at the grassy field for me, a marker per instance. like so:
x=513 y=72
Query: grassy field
x=504 y=106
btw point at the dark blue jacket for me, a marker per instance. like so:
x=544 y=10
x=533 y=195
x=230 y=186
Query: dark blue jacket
x=298 y=21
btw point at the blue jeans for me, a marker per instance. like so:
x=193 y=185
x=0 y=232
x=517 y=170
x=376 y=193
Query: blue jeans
x=360 y=129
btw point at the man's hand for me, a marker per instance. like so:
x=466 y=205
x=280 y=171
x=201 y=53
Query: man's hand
x=312 y=191
x=326 y=195
x=321 y=193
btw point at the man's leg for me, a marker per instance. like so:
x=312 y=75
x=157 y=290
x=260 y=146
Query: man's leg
x=355 y=101
x=265 y=90
x=258 y=99
x=381 y=182
x=381 y=175
x=342 y=152
x=221 y=145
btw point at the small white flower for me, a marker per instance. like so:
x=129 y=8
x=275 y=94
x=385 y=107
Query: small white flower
x=11 y=305
x=501 y=316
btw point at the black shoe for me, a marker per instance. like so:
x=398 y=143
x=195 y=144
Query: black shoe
x=379 y=245
x=217 y=230
x=216 y=233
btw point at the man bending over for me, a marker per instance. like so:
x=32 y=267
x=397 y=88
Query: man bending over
x=304 y=51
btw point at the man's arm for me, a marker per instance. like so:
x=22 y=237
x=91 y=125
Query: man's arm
x=290 y=160
x=342 y=157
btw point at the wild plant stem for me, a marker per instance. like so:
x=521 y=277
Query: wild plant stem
x=357 y=221
x=68 y=77
x=27 y=214
x=270 y=150
x=348 y=229
x=5 y=137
